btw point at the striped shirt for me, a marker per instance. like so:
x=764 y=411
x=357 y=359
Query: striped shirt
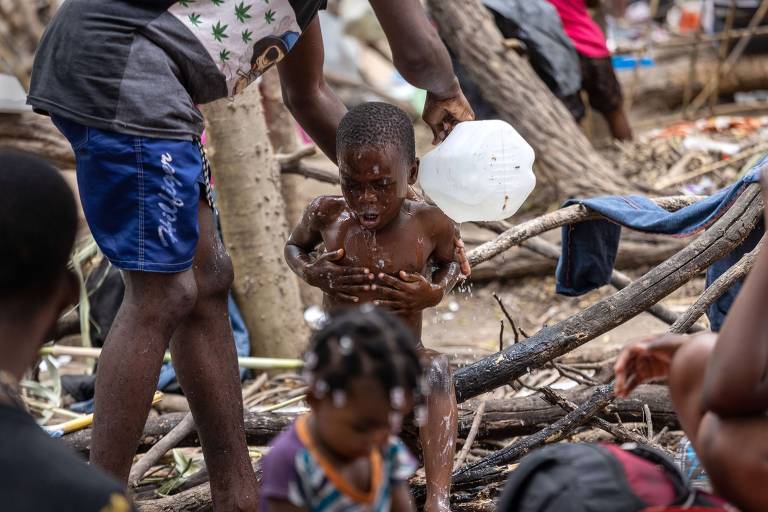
x=296 y=472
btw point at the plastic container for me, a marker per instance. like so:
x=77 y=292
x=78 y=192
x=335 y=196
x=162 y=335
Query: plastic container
x=483 y=171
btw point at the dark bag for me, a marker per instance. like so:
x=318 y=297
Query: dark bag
x=588 y=477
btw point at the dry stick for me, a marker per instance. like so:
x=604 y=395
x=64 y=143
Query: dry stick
x=715 y=166
x=618 y=431
x=312 y=172
x=506 y=314
x=721 y=285
x=648 y=422
x=553 y=341
x=501 y=335
x=287 y=160
x=179 y=432
x=688 y=91
x=721 y=54
x=470 y=439
x=568 y=215
x=697 y=103
x=553 y=433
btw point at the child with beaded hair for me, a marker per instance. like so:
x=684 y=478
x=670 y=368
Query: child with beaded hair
x=364 y=376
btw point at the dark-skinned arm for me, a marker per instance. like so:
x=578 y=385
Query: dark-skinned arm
x=736 y=382
x=305 y=92
x=423 y=60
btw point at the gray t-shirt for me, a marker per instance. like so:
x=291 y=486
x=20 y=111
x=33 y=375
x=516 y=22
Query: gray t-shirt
x=140 y=66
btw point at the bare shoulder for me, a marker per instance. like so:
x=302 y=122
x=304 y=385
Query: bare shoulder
x=432 y=218
x=324 y=210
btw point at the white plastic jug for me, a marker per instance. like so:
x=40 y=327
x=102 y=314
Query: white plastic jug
x=483 y=171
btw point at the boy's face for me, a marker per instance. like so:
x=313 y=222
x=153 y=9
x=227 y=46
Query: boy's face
x=364 y=420
x=374 y=182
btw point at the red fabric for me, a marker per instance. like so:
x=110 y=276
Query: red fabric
x=648 y=481
x=586 y=35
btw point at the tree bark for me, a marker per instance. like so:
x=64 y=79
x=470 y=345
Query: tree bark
x=254 y=226
x=36 y=134
x=553 y=341
x=567 y=161
x=282 y=136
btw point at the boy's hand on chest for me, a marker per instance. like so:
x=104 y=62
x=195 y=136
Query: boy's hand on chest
x=405 y=293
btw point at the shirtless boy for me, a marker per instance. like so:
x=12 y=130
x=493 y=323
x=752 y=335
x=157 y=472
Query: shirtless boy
x=385 y=249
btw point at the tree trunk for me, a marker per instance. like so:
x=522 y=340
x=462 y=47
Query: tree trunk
x=254 y=226
x=282 y=135
x=567 y=162
x=663 y=86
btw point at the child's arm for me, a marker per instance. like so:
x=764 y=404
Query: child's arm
x=413 y=292
x=323 y=272
x=401 y=498
x=736 y=381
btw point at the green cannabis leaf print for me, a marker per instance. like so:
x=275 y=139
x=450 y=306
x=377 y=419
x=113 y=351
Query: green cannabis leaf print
x=194 y=19
x=269 y=16
x=247 y=36
x=241 y=12
x=220 y=32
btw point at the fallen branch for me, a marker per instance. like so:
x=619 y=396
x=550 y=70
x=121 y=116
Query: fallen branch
x=471 y=436
x=616 y=430
x=559 y=430
x=170 y=440
x=260 y=429
x=568 y=215
x=553 y=341
x=312 y=172
x=197 y=499
x=288 y=160
x=721 y=285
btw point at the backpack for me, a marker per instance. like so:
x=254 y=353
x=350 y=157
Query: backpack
x=588 y=477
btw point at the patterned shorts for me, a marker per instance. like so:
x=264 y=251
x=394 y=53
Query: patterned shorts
x=140 y=195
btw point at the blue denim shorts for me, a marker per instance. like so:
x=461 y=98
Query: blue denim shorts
x=140 y=195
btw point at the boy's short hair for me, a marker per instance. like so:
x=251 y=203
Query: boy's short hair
x=377 y=124
x=38 y=224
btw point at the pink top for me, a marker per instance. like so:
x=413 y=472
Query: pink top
x=581 y=28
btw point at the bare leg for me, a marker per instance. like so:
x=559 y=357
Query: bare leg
x=619 y=124
x=153 y=306
x=206 y=363
x=438 y=436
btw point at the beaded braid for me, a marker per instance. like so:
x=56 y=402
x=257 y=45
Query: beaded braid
x=361 y=342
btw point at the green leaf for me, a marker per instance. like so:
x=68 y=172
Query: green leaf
x=185 y=3
x=269 y=16
x=220 y=32
x=224 y=56
x=241 y=12
x=217 y=2
x=247 y=36
x=194 y=19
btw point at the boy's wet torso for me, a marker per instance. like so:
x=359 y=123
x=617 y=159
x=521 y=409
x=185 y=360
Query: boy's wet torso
x=404 y=244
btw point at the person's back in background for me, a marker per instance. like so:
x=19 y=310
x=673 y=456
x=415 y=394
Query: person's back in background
x=38 y=223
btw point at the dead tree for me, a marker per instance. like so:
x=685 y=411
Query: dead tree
x=254 y=225
x=566 y=159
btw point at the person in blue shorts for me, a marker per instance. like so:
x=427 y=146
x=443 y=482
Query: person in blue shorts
x=121 y=79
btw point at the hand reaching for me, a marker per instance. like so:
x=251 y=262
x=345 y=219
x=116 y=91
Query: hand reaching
x=644 y=360
x=442 y=114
